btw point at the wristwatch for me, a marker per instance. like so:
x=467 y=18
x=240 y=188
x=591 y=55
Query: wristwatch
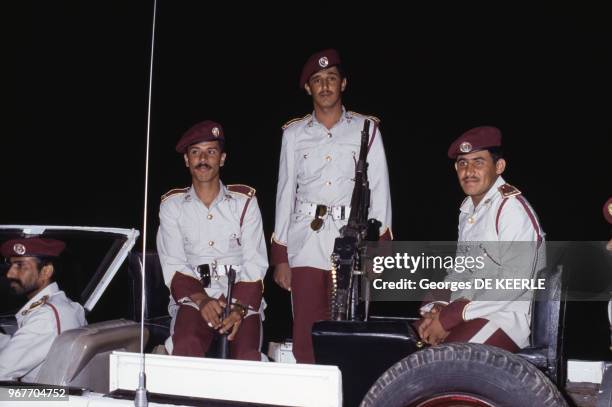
x=241 y=309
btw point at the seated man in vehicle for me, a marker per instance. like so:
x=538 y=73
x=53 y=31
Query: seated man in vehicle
x=204 y=230
x=47 y=313
x=497 y=224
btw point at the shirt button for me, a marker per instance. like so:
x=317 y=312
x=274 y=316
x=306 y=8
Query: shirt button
x=328 y=158
x=470 y=220
x=329 y=135
x=211 y=243
x=328 y=183
x=209 y=217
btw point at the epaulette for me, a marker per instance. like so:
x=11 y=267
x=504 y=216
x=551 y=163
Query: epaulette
x=297 y=119
x=173 y=191
x=35 y=304
x=508 y=190
x=242 y=189
x=373 y=118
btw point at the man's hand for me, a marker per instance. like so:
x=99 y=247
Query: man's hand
x=232 y=322
x=428 y=319
x=211 y=311
x=433 y=333
x=282 y=275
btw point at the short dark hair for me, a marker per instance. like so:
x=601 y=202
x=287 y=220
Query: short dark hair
x=496 y=153
x=341 y=71
x=42 y=261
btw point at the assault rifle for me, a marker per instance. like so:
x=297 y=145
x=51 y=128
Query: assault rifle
x=349 y=248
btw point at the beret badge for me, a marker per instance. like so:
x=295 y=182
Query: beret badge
x=323 y=62
x=465 y=147
x=19 y=249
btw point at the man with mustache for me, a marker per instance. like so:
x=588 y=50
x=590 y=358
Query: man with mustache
x=204 y=230
x=497 y=223
x=47 y=313
x=315 y=183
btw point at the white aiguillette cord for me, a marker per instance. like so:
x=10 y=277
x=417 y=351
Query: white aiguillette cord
x=140 y=398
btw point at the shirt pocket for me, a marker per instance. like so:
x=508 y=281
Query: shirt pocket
x=190 y=232
x=234 y=241
x=309 y=162
x=344 y=159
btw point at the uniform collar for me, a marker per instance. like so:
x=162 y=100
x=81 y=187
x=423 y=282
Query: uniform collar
x=47 y=291
x=223 y=194
x=344 y=116
x=468 y=206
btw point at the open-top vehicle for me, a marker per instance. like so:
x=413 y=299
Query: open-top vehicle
x=100 y=364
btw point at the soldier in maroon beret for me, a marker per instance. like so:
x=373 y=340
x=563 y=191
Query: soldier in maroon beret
x=315 y=183
x=493 y=211
x=205 y=230
x=607 y=212
x=47 y=313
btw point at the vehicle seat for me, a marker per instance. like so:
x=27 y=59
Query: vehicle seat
x=157 y=298
x=547 y=323
x=80 y=357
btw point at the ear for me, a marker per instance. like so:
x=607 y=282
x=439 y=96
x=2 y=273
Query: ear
x=186 y=160
x=343 y=84
x=307 y=87
x=500 y=166
x=456 y=166
x=47 y=272
x=223 y=156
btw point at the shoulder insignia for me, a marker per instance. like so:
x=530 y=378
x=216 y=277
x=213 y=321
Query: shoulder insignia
x=173 y=192
x=35 y=304
x=242 y=189
x=293 y=121
x=373 y=118
x=508 y=190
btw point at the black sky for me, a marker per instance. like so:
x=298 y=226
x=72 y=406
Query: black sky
x=74 y=125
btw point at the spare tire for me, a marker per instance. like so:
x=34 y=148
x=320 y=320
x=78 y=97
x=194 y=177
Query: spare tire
x=463 y=374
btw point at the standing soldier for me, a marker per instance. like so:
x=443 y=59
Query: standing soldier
x=493 y=215
x=315 y=183
x=47 y=313
x=204 y=230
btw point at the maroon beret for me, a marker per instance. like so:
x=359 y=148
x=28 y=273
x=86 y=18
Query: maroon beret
x=203 y=131
x=32 y=247
x=319 y=61
x=478 y=138
x=607 y=210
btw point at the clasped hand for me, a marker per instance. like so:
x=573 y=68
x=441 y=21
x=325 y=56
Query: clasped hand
x=211 y=311
x=430 y=329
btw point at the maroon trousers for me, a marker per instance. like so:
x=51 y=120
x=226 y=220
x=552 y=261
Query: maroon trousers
x=310 y=298
x=192 y=336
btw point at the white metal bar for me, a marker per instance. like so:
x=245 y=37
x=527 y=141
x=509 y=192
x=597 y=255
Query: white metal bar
x=283 y=384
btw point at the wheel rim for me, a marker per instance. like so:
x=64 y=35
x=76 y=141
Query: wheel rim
x=454 y=400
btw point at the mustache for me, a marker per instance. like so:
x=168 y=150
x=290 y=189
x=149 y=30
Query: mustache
x=12 y=280
x=203 y=165
x=469 y=179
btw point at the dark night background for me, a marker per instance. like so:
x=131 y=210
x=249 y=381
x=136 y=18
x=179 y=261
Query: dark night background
x=74 y=125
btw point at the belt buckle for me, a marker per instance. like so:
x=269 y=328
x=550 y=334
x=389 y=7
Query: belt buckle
x=204 y=272
x=317 y=222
